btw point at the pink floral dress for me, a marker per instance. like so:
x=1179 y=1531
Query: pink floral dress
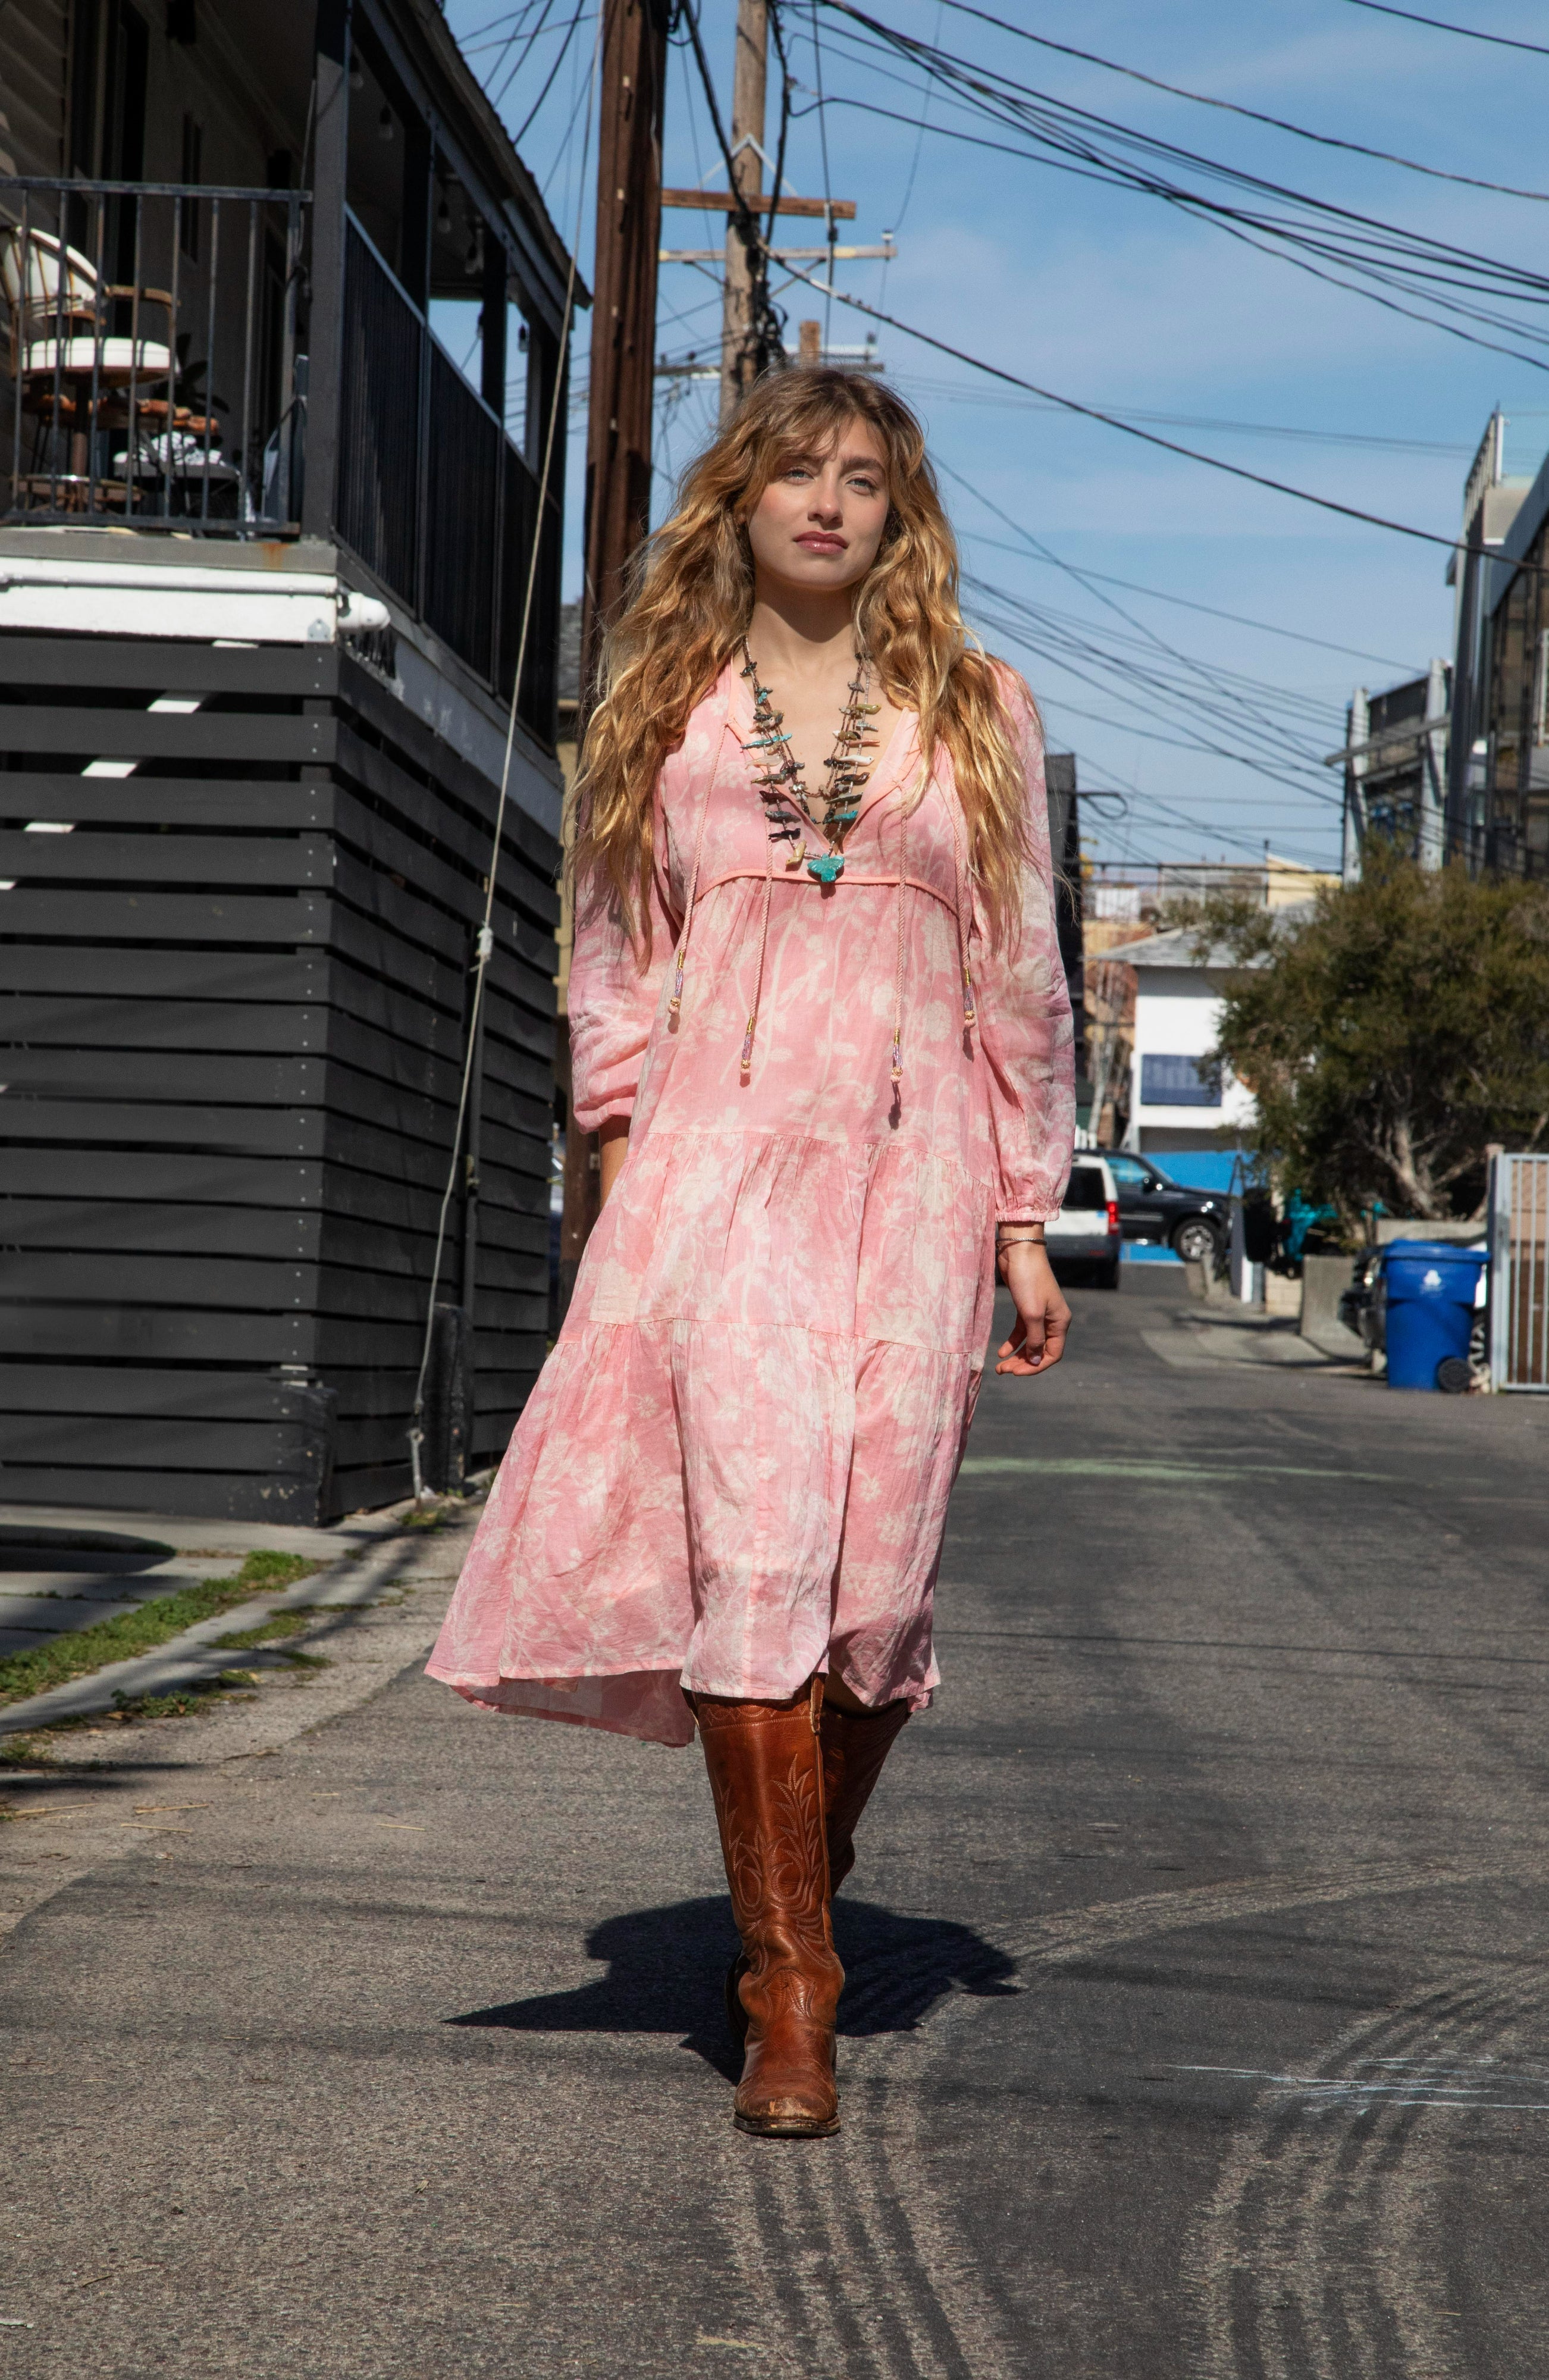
x=734 y=1467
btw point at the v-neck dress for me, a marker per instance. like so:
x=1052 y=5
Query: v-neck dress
x=734 y=1467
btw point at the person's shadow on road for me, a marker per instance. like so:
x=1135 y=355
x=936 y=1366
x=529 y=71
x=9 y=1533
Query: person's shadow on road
x=665 y=1968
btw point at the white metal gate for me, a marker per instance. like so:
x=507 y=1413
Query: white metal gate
x=1519 y=1273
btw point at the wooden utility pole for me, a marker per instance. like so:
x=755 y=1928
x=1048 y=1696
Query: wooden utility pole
x=738 y=360
x=624 y=310
x=634 y=77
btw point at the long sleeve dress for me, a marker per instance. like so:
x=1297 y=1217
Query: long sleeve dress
x=734 y=1467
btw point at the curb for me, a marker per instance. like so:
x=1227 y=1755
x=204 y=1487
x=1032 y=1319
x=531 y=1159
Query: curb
x=189 y=1660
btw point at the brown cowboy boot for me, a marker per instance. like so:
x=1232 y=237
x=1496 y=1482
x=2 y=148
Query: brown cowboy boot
x=766 y=1771
x=855 y=1745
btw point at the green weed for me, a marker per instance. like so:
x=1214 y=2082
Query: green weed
x=60 y=1658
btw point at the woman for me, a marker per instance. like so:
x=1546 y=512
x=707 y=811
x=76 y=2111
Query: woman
x=819 y=1021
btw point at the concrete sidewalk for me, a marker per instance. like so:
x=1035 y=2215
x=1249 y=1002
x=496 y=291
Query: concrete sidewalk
x=1199 y=1973
x=62 y=1569
x=101 y=1565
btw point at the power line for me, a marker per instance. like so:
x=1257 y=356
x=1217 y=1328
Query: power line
x=484 y=939
x=1382 y=255
x=1171 y=814
x=823 y=145
x=509 y=44
x=1052 y=641
x=1454 y=449
x=1051 y=638
x=1133 y=429
x=1260 y=767
x=1213 y=675
x=560 y=56
x=1237 y=619
x=1237 y=701
x=1439 y=24
x=902 y=208
x=765 y=326
x=1231 y=107
x=1232 y=221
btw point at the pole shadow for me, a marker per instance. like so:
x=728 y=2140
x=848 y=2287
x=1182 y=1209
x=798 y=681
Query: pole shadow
x=666 y=1966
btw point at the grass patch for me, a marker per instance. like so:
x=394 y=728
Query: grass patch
x=434 y=1516
x=60 y=1658
x=272 y=1570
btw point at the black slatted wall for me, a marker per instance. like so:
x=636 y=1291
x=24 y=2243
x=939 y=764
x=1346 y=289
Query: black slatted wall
x=232 y=1006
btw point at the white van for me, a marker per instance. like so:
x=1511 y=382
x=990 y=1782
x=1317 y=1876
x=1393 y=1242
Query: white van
x=1085 y=1232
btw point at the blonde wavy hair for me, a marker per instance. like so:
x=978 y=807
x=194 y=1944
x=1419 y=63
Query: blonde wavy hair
x=689 y=607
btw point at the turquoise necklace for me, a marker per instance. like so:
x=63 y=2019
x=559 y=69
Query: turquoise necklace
x=782 y=787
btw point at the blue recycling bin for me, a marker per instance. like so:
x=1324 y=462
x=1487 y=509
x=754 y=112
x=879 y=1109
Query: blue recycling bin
x=1430 y=1289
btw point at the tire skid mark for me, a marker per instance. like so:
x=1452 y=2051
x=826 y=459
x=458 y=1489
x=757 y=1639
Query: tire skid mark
x=824 y=2236
x=1322 y=2255
x=1079 y=1932
x=859 y=2258
x=1065 y=1938
x=879 y=2171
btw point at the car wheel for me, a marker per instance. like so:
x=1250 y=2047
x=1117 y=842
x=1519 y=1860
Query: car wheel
x=1195 y=1240
x=1106 y=1276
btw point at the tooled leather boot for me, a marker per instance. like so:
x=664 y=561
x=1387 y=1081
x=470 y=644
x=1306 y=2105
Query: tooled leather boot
x=766 y=1770
x=855 y=1745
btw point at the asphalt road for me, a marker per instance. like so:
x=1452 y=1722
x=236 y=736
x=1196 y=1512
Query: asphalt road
x=1196 y=2027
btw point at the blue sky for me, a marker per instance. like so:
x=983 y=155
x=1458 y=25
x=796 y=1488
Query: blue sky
x=1121 y=301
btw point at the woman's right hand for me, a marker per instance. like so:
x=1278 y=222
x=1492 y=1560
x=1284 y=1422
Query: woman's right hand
x=1043 y=1317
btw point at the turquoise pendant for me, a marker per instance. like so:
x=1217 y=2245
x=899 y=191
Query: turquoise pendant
x=827 y=867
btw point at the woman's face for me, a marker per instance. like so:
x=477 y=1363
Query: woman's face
x=819 y=522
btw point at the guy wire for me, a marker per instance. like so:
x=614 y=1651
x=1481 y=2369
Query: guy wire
x=485 y=939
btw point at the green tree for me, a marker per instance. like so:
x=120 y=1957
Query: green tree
x=1392 y=1032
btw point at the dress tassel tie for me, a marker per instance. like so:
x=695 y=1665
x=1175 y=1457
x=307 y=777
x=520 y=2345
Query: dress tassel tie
x=746 y=1063
x=961 y=871
x=897 y=1071
x=680 y=956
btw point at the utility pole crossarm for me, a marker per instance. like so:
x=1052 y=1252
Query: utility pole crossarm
x=886 y=253
x=723 y=202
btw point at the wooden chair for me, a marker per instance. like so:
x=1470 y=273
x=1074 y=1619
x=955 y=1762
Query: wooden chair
x=63 y=357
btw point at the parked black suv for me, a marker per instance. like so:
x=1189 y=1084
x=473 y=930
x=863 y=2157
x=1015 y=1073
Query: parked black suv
x=1152 y=1205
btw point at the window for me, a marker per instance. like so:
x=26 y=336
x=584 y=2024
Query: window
x=1084 y=1193
x=1178 y=1083
x=188 y=209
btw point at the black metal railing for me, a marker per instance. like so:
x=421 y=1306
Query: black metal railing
x=153 y=367
x=433 y=497
x=156 y=374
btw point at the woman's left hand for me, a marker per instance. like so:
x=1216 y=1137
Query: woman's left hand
x=1043 y=1317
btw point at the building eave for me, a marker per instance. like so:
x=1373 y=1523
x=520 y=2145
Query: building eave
x=469 y=122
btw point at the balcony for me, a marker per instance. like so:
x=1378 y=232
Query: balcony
x=432 y=497
x=153 y=377
x=157 y=380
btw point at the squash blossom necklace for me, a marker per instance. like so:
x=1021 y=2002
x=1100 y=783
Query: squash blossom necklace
x=783 y=785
